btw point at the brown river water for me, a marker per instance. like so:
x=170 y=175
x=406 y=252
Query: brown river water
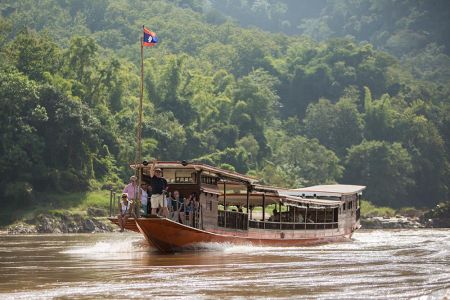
x=378 y=264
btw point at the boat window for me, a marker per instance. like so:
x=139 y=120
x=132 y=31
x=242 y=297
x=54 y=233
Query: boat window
x=177 y=175
x=184 y=177
x=208 y=179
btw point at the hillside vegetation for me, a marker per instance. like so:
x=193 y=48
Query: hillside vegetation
x=294 y=110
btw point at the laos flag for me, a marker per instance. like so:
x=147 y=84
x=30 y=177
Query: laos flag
x=150 y=38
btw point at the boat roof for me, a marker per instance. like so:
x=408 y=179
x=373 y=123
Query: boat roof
x=256 y=199
x=272 y=194
x=223 y=174
x=328 y=190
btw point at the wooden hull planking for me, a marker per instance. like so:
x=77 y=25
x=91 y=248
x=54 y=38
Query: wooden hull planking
x=169 y=236
x=129 y=225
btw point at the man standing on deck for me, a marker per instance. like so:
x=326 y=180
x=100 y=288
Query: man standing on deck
x=159 y=187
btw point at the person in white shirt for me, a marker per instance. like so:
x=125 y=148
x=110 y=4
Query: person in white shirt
x=144 y=198
x=125 y=209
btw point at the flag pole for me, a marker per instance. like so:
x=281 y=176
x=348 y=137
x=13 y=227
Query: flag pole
x=140 y=102
x=139 y=132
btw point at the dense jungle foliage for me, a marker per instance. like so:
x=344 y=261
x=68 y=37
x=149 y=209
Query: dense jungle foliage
x=294 y=92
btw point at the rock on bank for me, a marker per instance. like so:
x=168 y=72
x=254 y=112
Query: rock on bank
x=63 y=222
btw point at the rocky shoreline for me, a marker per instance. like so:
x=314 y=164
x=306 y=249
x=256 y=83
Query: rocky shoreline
x=92 y=221
x=392 y=223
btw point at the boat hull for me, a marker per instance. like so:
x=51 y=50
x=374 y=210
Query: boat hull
x=170 y=236
x=129 y=225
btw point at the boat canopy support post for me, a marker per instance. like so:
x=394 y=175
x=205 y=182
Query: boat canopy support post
x=315 y=225
x=225 y=204
x=248 y=199
x=264 y=210
x=110 y=202
x=279 y=213
x=294 y=215
x=332 y=217
x=306 y=215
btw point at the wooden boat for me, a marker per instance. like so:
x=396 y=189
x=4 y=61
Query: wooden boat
x=129 y=225
x=233 y=208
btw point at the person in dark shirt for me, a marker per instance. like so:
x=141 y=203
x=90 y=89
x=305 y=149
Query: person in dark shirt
x=159 y=188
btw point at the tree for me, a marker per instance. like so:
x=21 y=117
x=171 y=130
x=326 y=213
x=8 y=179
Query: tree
x=304 y=160
x=386 y=169
x=337 y=127
x=35 y=54
x=21 y=113
x=379 y=118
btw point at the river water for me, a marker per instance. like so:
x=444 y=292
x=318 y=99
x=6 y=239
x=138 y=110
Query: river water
x=377 y=264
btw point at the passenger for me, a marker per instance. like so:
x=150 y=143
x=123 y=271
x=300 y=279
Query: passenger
x=144 y=198
x=275 y=216
x=189 y=210
x=125 y=208
x=177 y=203
x=183 y=210
x=149 y=196
x=168 y=199
x=159 y=188
x=195 y=208
x=131 y=188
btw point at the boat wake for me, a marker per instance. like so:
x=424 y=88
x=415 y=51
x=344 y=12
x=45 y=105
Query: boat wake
x=127 y=247
x=229 y=248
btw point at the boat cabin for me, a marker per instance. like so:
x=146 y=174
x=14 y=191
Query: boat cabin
x=232 y=203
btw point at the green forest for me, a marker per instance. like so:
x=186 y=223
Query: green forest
x=296 y=93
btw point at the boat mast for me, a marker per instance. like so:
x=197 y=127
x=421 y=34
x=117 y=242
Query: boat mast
x=138 y=157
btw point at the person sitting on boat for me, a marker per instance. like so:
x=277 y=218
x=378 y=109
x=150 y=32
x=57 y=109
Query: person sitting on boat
x=144 y=198
x=125 y=208
x=275 y=216
x=159 y=188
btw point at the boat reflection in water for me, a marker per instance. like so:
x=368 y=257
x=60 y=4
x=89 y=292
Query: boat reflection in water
x=232 y=208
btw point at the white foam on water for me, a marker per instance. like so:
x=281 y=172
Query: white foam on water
x=248 y=249
x=127 y=247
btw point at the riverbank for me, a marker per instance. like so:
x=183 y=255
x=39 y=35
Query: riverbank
x=82 y=212
x=391 y=223
x=92 y=221
x=87 y=213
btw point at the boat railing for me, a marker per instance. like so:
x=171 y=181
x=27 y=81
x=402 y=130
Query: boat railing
x=292 y=225
x=233 y=219
x=194 y=218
